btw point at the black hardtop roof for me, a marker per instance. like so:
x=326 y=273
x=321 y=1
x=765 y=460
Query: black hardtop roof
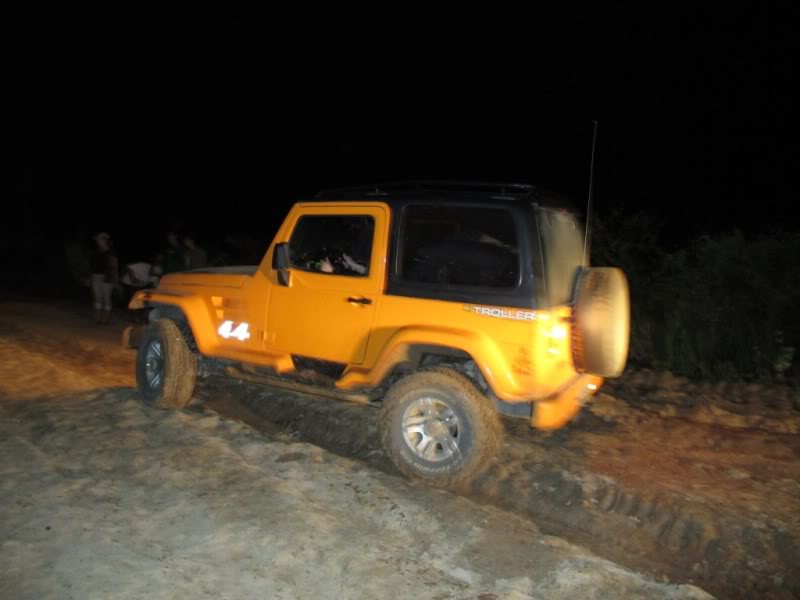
x=436 y=191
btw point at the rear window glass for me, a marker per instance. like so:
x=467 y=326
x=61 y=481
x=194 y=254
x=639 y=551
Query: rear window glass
x=459 y=246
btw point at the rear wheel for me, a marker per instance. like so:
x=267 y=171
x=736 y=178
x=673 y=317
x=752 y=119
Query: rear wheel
x=437 y=426
x=166 y=368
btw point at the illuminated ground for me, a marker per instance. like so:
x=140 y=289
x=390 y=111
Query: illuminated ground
x=102 y=495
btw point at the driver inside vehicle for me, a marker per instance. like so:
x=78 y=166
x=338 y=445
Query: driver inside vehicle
x=334 y=244
x=326 y=265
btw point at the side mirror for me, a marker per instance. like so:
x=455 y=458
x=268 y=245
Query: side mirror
x=280 y=262
x=280 y=258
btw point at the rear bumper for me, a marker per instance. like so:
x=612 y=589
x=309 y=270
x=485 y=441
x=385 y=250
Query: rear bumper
x=132 y=336
x=561 y=407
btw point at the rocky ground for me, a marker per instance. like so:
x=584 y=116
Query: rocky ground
x=677 y=482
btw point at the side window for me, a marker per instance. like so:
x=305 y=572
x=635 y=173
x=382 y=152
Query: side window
x=562 y=249
x=335 y=244
x=459 y=246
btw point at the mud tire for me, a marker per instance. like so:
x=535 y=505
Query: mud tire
x=479 y=426
x=178 y=369
x=601 y=322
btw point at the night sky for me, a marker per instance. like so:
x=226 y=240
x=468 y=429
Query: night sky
x=128 y=121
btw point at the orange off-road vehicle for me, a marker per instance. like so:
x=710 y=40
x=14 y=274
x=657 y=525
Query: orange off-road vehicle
x=444 y=304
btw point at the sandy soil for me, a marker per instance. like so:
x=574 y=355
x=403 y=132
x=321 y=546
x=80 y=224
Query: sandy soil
x=105 y=497
x=695 y=502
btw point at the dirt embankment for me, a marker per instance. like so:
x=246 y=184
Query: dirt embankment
x=699 y=483
x=105 y=497
x=701 y=502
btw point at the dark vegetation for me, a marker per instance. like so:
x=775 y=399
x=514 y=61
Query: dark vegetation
x=714 y=308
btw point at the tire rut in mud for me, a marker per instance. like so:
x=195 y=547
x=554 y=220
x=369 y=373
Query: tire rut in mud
x=734 y=555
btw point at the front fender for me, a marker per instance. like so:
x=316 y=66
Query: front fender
x=192 y=307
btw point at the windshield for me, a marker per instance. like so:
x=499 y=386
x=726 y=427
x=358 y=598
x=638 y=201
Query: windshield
x=562 y=254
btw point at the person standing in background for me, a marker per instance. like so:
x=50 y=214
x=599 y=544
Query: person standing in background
x=196 y=257
x=105 y=277
x=174 y=256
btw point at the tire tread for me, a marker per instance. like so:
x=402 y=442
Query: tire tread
x=180 y=366
x=485 y=422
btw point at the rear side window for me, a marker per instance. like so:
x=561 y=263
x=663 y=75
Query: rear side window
x=459 y=246
x=335 y=244
x=562 y=251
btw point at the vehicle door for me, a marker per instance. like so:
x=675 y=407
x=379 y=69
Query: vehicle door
x=325 y=306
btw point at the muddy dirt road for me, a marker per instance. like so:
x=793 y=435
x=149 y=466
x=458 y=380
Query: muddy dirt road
x=671 y=480
x=697 y=502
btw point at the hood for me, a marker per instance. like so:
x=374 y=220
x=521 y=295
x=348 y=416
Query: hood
x=240 y=270
x=211 y=276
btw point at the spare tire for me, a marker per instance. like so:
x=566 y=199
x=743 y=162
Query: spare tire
x=601 y=322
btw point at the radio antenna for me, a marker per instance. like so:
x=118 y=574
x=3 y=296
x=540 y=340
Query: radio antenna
x=587 y=234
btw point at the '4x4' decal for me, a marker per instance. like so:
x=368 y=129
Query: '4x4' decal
x=241 y=332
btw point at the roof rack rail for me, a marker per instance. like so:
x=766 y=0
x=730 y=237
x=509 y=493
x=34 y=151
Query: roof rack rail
x=383 y=189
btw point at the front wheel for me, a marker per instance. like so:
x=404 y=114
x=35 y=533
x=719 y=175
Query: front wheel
x=166 y=368
x=437 y=426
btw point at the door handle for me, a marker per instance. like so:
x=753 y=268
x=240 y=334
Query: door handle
x=354 y=300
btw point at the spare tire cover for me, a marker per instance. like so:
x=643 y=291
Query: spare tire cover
x=601 y=321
